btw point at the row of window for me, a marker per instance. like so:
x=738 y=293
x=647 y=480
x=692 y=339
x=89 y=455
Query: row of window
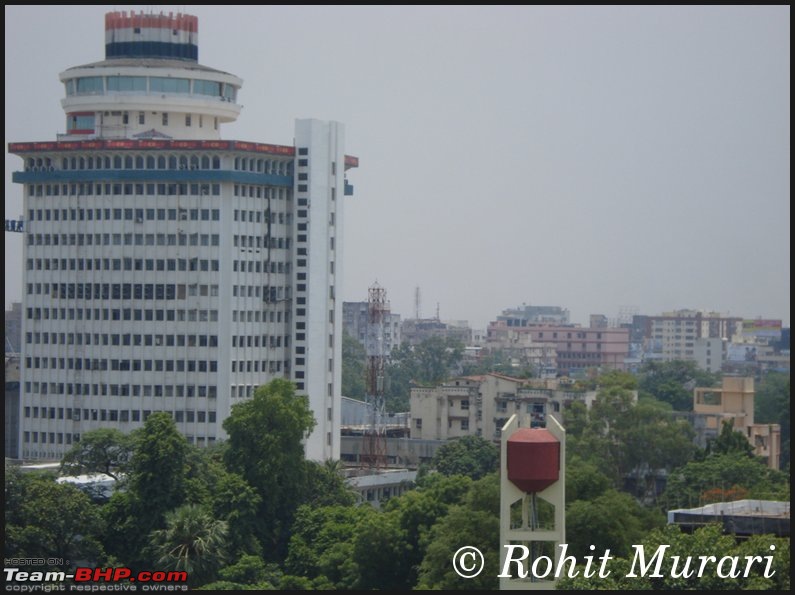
x=36 y=338
x=562 y=355
x=119 y=365
x=254 y=340
x=121 y=390
x=568 y=335
x=127 y=161
x=187 y=415
x=240 y=241
x=268 y=293
x=243 y=191
x=122 y=314
x=123 y=291
x=264 y=166
x=259 y=316
x=126 y=239
x=200 y=441
x=139 y=215
x=272 y=366
x=122 y=189
x=72 y=290
x=261 y=217
x=139 y=264
x=258 y=266
x=99 y=85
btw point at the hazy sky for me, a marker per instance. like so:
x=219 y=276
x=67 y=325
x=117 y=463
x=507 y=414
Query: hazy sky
x=592 y=158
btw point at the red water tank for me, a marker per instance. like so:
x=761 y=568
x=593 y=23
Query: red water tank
x=533 y=459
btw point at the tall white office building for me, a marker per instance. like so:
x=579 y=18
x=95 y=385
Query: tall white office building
x=167 y=269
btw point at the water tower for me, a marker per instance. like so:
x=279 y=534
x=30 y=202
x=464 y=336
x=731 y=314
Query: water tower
x=532 y=498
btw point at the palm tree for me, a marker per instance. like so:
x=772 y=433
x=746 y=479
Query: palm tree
x=192 y=541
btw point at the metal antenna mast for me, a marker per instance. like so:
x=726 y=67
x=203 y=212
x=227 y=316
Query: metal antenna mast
x=374 y=451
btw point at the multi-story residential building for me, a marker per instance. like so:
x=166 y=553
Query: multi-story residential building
x=734 y=401
x=673 y=335
x=480 y=405
x=708 y=353
x=167 y=269
x=414 y=331
x=576 y=348
x=356 y=321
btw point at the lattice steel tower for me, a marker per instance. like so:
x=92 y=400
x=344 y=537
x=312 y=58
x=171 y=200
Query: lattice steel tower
x=374 y=448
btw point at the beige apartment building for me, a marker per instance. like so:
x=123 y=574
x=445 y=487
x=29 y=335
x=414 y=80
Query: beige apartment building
x=735 y=401
x=480 y=405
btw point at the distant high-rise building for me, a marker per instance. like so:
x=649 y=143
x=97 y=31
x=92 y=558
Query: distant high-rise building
x=673 y=335
x=167 y=269
x=355 y=317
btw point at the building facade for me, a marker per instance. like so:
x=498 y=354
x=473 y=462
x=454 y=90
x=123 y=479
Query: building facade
x=734 y=402
x=673 y=335
x=167 y=269
x=575 y=348
x=356 y=318
x=481 y=405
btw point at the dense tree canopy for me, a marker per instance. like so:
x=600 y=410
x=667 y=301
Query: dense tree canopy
x=673 y=382
x=723 y=477
x=472 y=456
x=45 y=519
x=104 y=450
x=265 y=447
x=772 y=406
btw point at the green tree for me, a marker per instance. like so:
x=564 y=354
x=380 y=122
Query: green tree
x=318 y=535
x=157 y=467
x=622 y=438
x=723 y=477
x=354 y=367
x=265 y=447
x=379 y=547
x=326 y=484
x=673 y=382
x=729 y=441
x=104 y=450
x=584 y=481
x=613 y=519
x=472 y=456
x=461 y=526
x=428 y=363
x=46 y=519
x=705 y=541
x=156 y=484
x=192 y=541
x=772 y=406
x=234 y=501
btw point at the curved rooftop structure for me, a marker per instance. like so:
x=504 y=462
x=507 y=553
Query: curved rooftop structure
x=149 y=83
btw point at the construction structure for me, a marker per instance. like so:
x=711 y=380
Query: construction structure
x=374 y=447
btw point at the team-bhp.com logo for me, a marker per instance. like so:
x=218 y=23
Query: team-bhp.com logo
x=95 y=579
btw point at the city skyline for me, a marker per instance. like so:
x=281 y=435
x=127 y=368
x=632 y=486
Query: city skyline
x=590 y=158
